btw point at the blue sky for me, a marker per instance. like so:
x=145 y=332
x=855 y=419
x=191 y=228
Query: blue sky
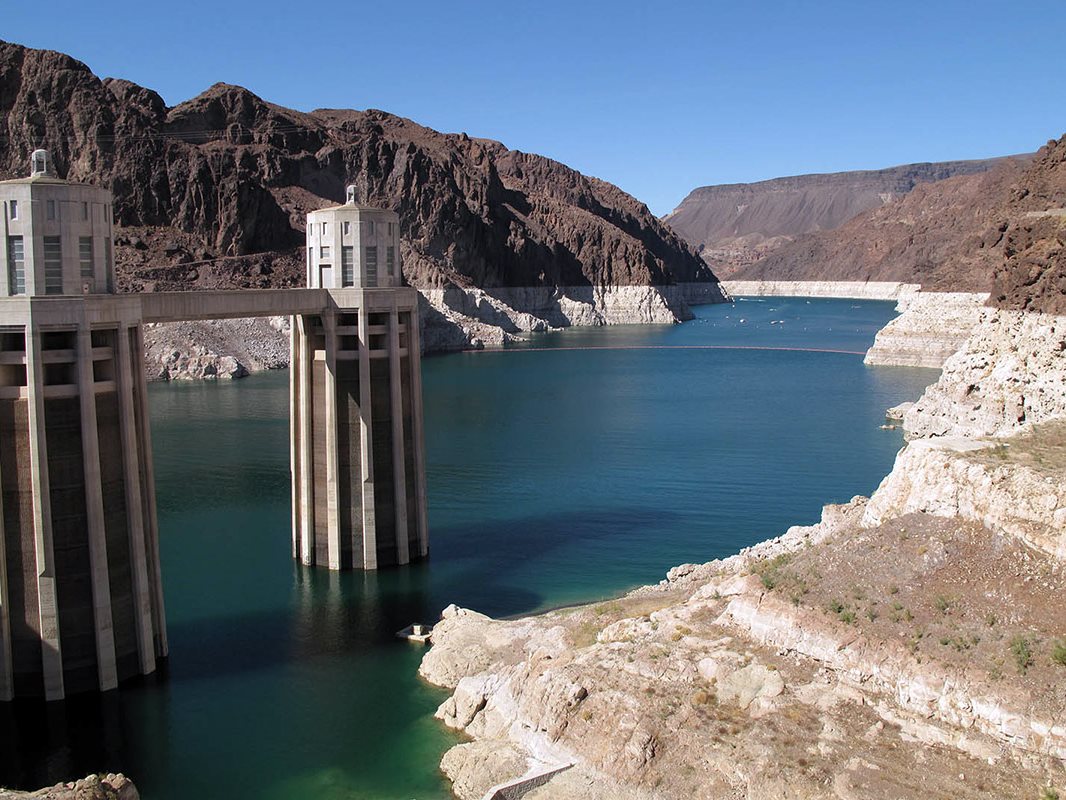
x=656 y=97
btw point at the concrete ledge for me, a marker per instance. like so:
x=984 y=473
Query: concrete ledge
x=155 y=307
x=243 y=303
x=519 y=787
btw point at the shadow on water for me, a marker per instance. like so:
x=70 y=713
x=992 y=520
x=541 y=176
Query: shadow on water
x=341 y=613
x=45 y=743
x=482 y=559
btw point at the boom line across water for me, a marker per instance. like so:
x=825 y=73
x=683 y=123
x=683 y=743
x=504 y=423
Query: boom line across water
x=671 y=347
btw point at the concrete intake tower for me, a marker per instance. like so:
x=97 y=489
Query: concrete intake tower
x=81 y=598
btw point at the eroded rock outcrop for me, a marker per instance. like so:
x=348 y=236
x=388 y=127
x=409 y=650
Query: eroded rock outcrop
x=803 y=663
x=947 y=236
x=93 y=787
x=931 y=327
x=1003 y=231
x=1032 y=274
x=1010 y=374
x=1001 y=485
x=213 y=349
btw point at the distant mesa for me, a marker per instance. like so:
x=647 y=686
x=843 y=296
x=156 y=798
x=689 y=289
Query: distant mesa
x=1000 y=229
x=737 y=225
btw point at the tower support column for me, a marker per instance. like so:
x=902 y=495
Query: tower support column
x=148 y=499
x=7 y=669
x=300 y=437
x=107 y=671
x=329 y=400
x=126 y=358
x=47 y=602
x=366 y=445
x=414 y=361
x=399 y=460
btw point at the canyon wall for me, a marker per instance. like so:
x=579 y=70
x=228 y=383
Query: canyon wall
x=212 y=194
x=733 y=225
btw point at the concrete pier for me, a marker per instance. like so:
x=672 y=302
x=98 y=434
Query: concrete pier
x=81 y=595
x=80 y=604
x=357 y=445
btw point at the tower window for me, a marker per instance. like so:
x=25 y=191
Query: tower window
x=392 y=228
x=347 y=227
x=324 y=229
x=324 y=251
x=85 y=256
x=372 y=266
x=53 y=265
x=390 y=259
x=14 y=209
x=370 y=227
x=109 y=268
x=16 y=265
x=84 y=210
x=51 y=209
x=347 y=266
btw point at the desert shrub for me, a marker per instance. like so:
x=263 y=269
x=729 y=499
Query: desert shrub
x=1022 y=650
x=770 y=570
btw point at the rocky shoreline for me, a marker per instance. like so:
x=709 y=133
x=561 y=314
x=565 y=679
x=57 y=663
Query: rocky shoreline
x=922 y=626
x=930 y=328
x=215 y=349
x=452 y=319
x=853 y=290
x=92 y=787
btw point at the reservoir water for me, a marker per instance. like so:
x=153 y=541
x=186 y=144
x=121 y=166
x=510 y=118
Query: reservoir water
x=586 y=463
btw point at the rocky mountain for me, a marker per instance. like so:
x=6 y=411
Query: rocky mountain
x=1000 y=231
x=733 y=225
x=212 y=193
x=1032 y=273
x=943 y=235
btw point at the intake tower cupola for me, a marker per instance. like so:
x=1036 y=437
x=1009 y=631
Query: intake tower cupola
x=41 y=164
x=352 y=246
x=57 y=235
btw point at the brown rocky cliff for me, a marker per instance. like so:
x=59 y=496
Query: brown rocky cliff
x=1002 y=231
x=736 y=224
x=1032 y=274
x=212 y=192
x=944 y=235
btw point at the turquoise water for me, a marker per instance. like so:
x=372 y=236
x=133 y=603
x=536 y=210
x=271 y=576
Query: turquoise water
x=558 y=473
